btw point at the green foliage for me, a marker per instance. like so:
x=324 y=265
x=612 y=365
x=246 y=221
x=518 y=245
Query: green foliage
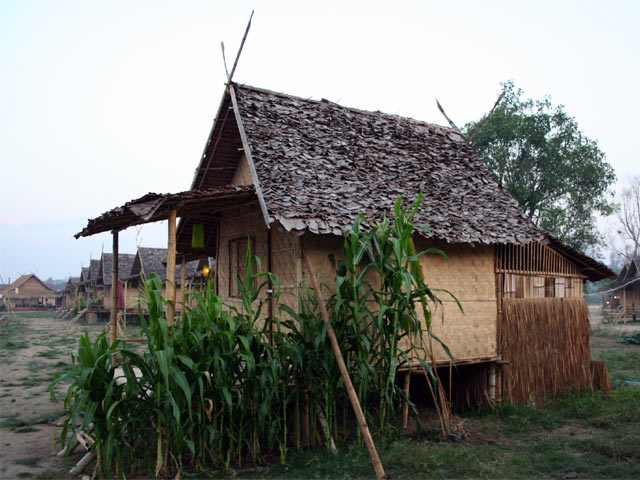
x=557 y=174
x=631 y=339
x=227 y=383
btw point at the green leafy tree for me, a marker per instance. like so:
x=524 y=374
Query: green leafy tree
x=559 y=176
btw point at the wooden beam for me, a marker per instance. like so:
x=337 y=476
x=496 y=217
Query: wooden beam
x=171 y=268
x=247 y=152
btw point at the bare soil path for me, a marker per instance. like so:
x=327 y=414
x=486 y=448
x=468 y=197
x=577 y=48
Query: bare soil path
x=34 y=349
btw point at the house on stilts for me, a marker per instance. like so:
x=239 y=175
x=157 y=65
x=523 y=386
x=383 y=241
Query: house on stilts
x=28 y=292
x=290 y=175
x=622 y=302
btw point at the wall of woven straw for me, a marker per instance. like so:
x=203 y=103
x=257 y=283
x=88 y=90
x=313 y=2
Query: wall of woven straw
x=546 y=344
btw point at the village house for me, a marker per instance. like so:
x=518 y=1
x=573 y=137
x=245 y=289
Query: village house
x=290 y=175
x=150 y=261
x=622 y=302
x=28 y=292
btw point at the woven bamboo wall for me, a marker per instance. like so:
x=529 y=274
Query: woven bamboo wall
x=236 y=224
x=546 y=344
x=469 y=275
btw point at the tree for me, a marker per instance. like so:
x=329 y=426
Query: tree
x=629 y=222
x=559 y=176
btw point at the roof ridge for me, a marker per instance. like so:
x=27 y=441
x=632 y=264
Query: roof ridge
x=353 y=109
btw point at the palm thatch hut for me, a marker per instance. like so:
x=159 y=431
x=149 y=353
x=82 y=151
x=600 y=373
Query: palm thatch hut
x=622 y=302
x=28 y=292
x=291 y=175
x=154 y=261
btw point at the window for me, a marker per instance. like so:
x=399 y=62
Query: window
x=549 y=287
x=237 y=262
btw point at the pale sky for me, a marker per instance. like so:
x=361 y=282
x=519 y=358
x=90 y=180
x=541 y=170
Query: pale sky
x=102 y=102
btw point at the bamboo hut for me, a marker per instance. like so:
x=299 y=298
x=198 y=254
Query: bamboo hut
x=28 y=292
x=291 y=175
x=70 y=292
x=154 y=261
x=105 y=280
x=622 y=302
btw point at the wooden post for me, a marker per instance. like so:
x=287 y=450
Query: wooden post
x=114 y=289
x=405 y=403
x=171 y=268
x=182 y=284
x=355 y=403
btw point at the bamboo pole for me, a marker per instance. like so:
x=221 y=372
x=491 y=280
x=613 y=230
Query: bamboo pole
x=171 y=268
x=114 y=290
x=182 y=284
x=405 y=403
x=362 y=422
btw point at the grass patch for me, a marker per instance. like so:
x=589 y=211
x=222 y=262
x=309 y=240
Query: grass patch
x=34 y=314
x=10 y=420
x=623 y=364
x=27 y=430
x=50 y=354
x=11 y=346
x=28 y=462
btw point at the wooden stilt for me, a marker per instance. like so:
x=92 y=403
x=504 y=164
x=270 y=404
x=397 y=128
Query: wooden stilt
x=405 y=404
x=328 y=438
x=304 y=420
x=355 y=403
x=171 y=268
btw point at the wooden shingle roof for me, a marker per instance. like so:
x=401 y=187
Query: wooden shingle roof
x=319 y=164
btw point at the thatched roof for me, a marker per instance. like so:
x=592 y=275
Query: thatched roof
x=94 y=270
x=319 y=164
x=154 y=260
x=84 y=274
x=154 y=207
x=10 y=289
x=125 y=262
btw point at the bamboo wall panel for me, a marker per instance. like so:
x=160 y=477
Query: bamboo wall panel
x=546 y=344
x=469 y=275
x=234 y=224
x=285 y=257
x=242 y=175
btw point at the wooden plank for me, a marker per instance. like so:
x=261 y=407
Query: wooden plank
x=247 y=151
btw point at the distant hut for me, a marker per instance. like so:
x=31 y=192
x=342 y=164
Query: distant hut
x=290 y=175
x=150 y=261
x=105 y=279
x=70 y=292
x=623 y=301
x=28 y=292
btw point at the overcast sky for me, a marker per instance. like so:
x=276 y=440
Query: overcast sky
x=102 y=102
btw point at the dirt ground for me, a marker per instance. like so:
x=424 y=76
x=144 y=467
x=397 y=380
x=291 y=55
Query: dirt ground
x=599 y=327
x=35 y=350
